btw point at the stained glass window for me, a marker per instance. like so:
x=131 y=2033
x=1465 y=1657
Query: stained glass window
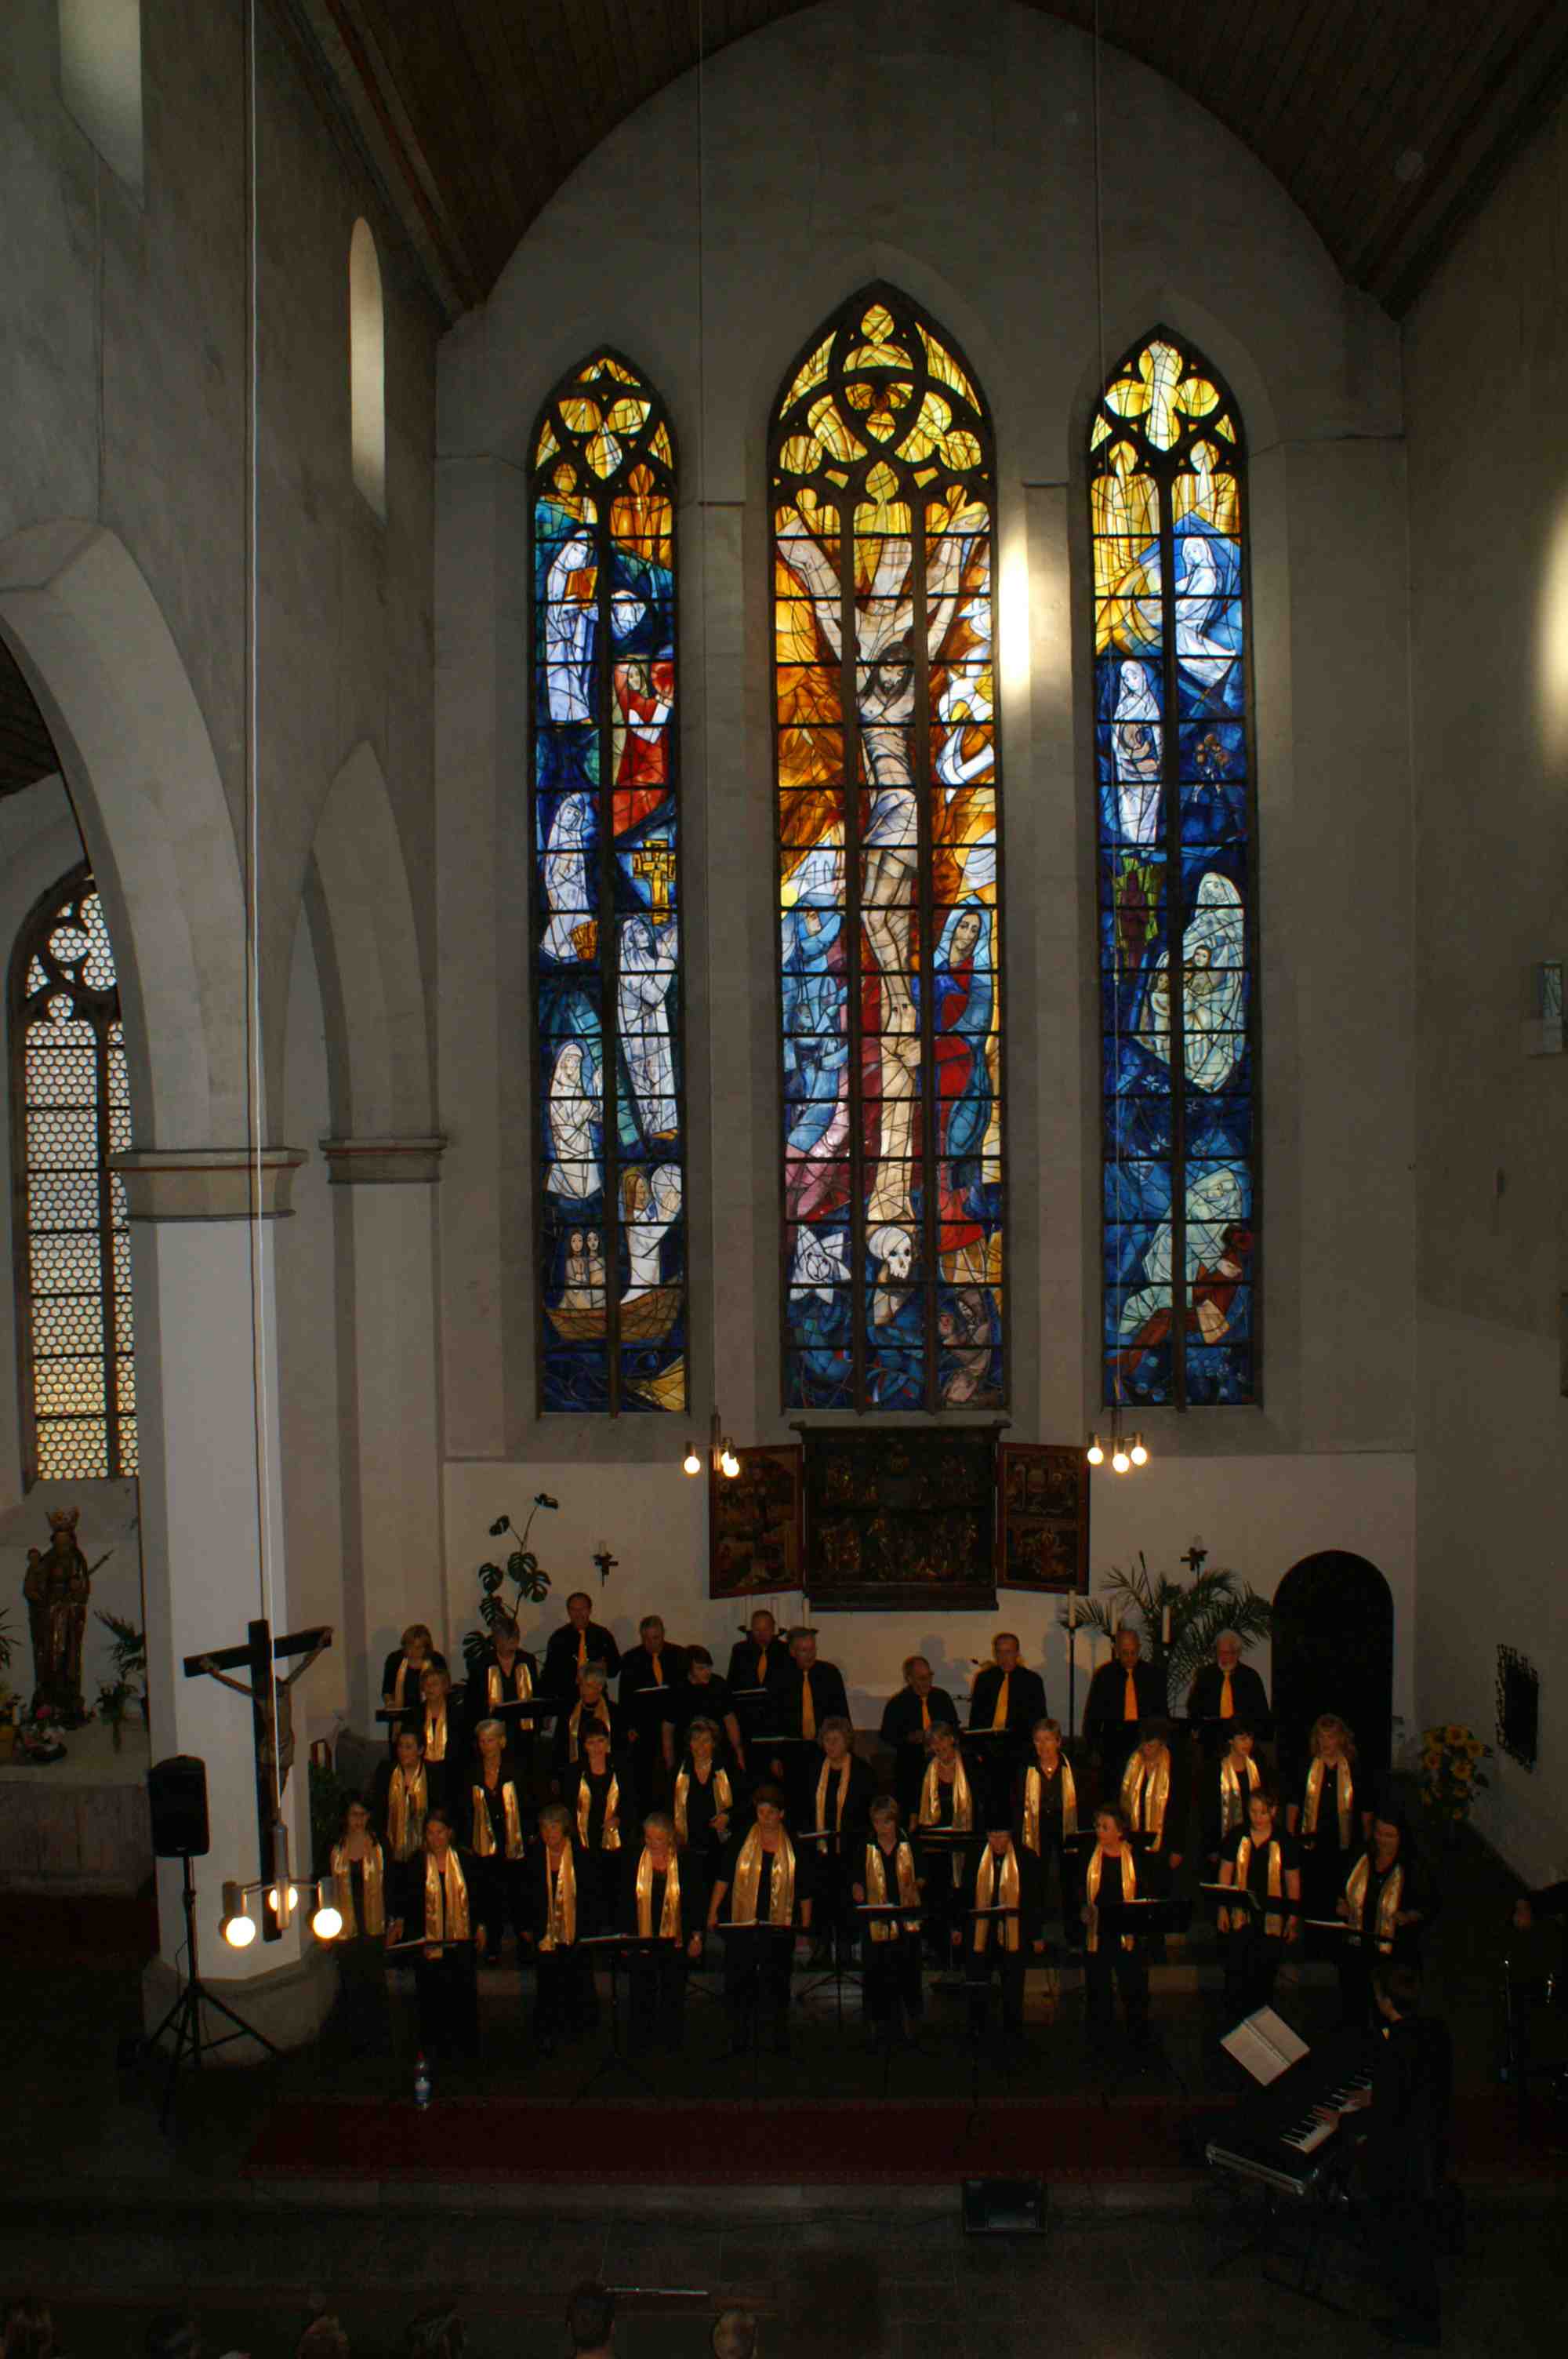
x=883 y=487
x=70 y=1110
x=605 y=834
x=1176 y=884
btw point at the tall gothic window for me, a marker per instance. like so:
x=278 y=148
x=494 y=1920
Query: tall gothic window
x=70 y=1110
x=883 y=489
x=1176 y=884
x=607 y=977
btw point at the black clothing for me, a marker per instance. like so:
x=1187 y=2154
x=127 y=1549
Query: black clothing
x=1211 y=1803
x=943 y=1867
x=701 y=1809
x=381 y=1790
x=444 y=1986
x=757 y=1965
x=1551 y=1900
x=566 y=1745
x=857 y=1798
x=1109 y=1969
x=903 y=1734
x=1404 y=2161
x=713 y=1702
x=405 y=1694
x=499 y=1878
x=995 y=1959
x=1026 y=1701
x=1359 y=1950
x=742 y=1671
x=646 y=1704
x=830 y=1862
x=637 y=1673
x=600 y=1866
x=889 y=1968
x=447 y=1778
x=1053 y=1849
x=1107 y=1730
x=657 y=1985
x=363 y=2010
x=565 y=2003
x=828 y=1698
x=481 y=1705
x=1252 y=1953
x=1249 y=1696
x=561 y=1663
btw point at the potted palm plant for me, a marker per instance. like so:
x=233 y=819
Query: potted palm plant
x=129 y=1684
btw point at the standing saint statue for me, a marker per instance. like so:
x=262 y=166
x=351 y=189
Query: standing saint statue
x=57 y=1587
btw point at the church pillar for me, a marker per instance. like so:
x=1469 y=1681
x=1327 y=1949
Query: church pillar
x=207 y=1413
x=392 y=1526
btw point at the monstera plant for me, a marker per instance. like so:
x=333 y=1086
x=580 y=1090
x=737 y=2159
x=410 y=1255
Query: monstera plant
x=530 y=1581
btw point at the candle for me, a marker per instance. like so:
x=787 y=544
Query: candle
x=1073 y=1609
x=1115 y=1621
x=1165 y=1627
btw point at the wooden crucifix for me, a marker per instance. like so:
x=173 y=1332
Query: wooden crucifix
x=271 y=1716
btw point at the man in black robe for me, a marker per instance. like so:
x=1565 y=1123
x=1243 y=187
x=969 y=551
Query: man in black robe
x=906 y=1728
x=565 y=2003
x=762 y=1660
x=1227 y=1689
x=659 y=1984
x=1005 y=1697
x=1122 y=1692
x=757 y=1963
x=581 y=1641
x=651 y=1672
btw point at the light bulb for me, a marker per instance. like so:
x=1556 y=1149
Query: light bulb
x=1095 y=1454
x=691 y=1464
x=279 y=1908
x=327 y=1922
x=1138 y=1454
x=1120 y=1462
x=729 y=1463
x=234 y=1924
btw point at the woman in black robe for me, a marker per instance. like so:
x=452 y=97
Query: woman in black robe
x=359 y=1872
x=414 y=1655
x=657 y=1901
x=439 y=1899
x=598 y=1799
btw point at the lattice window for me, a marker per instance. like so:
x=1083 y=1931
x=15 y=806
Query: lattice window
x=883 y=487
x=1177 y=891
x=70 y=1110
x=608 y=1049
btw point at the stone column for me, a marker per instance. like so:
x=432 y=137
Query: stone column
x=385 y=1230
x=206 y=1365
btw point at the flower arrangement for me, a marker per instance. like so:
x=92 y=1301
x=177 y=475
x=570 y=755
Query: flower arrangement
x=1451 y=1775
x=38 y=1739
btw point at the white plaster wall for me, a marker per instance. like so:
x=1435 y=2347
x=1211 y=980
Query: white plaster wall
x=1259 y=1518
x=1489 y=642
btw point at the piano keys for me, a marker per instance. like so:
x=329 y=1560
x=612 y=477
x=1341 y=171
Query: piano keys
x=1277 y=2140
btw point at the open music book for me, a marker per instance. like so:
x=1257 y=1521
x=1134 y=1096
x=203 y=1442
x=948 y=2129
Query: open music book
x=1265 y=2043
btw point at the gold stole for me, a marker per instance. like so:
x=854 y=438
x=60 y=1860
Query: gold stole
x=600 y=1711
x=446 y=1901
x=721 y=1797
x=343 y=1884
x=522 y=1683
x=1003 y=1876
x=822 y=1796
x=999 y=1717
x=886 y=1929
x=609 y=1834
x=435 y=1735
x=1091 y=1892
x=963 y=1802
x=1034 y=1795
x=483 y=1840
x=748 y=1876
x=1388 y=1901
x=1273 y=1925
x=1232 y=1802
x=1344 y=1796
x=560 y=1897
x=669 y=1915
x=1147 y=1791
x=406 y=1809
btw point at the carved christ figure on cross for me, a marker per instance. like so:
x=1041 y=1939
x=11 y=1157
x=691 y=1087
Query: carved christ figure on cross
x=273 y=1716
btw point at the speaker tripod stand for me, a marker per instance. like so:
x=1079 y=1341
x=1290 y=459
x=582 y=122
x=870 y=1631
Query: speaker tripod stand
x=184 y=2018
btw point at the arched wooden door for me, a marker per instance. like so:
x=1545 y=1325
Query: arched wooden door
x=1334 y=1651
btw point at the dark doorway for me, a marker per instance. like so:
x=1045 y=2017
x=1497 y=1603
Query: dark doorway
x=1334 y=1651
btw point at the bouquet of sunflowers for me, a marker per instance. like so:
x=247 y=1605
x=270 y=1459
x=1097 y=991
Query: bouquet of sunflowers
x=1451 y=1775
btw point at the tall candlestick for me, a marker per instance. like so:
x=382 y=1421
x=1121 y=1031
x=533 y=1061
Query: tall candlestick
x=1165 y=1627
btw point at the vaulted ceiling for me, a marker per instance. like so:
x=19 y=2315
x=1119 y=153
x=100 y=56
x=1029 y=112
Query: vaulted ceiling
x=1386 y=120
x=25 y=751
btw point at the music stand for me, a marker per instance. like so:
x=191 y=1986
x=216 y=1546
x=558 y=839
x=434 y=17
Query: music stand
x=619 y=1949
x=878 y=1912
x=954 y=1841
x=974 y=1988
x=829 y=1845
x=757 y=1928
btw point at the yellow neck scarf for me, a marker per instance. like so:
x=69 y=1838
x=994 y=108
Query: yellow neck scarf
x=1344 y=1798
x=999 y=1717
x=522 y=1683
x=407 y=1802
x=610 y=1834
x=886 y=1929
x=963 y=1801
x=1002 y=1875
x=748 y=1876
x=435 y=1733
x=807 y=1706
x=1145 y=1791
x=684 y=1784
x=1388 y=1901
x=1226 y=1698
x=1232 y=1800
x=1091 y=1891
x=842 y=1773
x=600 y=1711
x=446 y=1901
x=1034 y=1795
x=343 y=1886
x=1274 y=1924
x=561 y=1892
x=669 y=1915
x=483 y=1840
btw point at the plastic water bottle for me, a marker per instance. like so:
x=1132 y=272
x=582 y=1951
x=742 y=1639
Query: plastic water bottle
x=421 y=2083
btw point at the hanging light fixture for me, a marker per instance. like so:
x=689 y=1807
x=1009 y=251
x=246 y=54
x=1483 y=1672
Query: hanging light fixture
x=1138 y=1453
x=1095 y=1453
x=236 y=1925
x=727 y=1463
x=722 y=1454
x=1119 y=1462
x=691 y=1464
x=327 y=1921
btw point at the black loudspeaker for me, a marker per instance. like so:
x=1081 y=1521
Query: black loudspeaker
x=176 y=1795
x=1004 y=2207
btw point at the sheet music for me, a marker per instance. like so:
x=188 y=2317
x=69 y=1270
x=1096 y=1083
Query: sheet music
x=1266 y=2045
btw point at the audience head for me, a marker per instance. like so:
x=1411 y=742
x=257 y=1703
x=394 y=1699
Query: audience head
x=835 y=1735
x=417 y=1642
x=580 y=1609
x=1227 y=1649
x=591 y=2320
x=1005 y=1649
x=555 y=1819
x=173 y=2334
x=1129 y=1647
x=410 y=1745
x=803 y=1646
x=1331 y=1739
x=435 y=2334
x=918 y=1674
x=29 y=2330
x=734 y=2335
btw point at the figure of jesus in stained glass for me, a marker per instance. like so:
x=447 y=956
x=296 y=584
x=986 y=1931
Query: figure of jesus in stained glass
x=888 y=872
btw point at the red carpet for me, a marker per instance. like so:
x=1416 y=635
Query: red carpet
x=719 y=2143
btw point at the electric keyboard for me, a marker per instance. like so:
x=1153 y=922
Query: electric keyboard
x=1278 y=2140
